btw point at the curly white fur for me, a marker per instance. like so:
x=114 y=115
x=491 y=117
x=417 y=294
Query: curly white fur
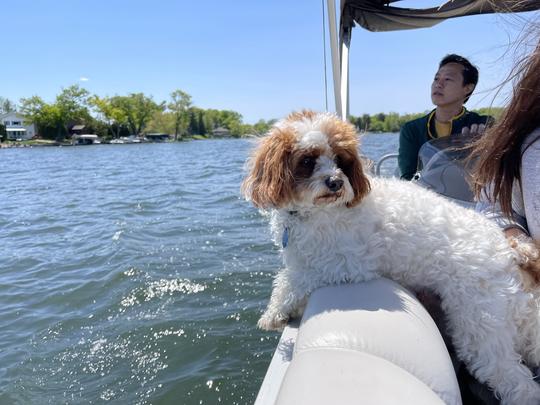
x=367 y=227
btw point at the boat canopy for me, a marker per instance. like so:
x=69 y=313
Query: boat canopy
x=384 y=15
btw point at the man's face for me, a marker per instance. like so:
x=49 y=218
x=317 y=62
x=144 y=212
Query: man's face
x=447 y=87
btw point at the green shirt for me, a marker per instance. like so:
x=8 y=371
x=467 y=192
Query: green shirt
x=415 y=133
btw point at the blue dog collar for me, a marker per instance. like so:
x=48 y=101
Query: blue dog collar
x=285 y=237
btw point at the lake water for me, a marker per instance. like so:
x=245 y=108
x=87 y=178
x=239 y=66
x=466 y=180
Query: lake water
x=134 y=274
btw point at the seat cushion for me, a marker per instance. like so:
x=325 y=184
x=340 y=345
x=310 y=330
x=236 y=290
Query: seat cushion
x=378 y=324
x=338 y=376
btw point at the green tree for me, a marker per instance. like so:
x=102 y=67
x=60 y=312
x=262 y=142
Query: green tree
x=409 y=117
x=261 y=127
x=52 y=120
x=162 y=122
x=246 y=129
x=376 y=124
x=73 y=103
x=200 y=121
x=193 y=127
x=3 y=133
x=100 y=128
x=7 y=106
x=115 y=117
x=362 y=123
x=366 y=122
x=138 y=110
x=212 y=119
x=356 y=121
x=391 y=122
x=232 y=121
x=380 y=116
x=495 y=112
x=47 y=117
x=178 y=106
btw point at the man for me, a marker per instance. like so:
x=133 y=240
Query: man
x=452 y=86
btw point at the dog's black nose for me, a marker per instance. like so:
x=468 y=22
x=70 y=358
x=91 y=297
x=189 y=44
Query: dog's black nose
x=333 y=183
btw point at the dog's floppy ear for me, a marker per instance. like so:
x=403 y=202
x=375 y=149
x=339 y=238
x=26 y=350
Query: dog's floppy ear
x=344 y=142
x=359 y=182
x=270 y=180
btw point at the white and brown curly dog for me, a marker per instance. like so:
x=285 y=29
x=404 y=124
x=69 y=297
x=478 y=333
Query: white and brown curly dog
x=338 y=225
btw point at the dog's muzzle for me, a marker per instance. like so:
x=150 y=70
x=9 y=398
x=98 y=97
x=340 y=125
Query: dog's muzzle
x=333 y=183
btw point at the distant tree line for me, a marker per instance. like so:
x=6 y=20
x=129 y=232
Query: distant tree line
x=392 y=122
x=133 y=114
x=137 y=113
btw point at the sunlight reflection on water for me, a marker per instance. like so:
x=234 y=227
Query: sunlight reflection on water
x=134 y=274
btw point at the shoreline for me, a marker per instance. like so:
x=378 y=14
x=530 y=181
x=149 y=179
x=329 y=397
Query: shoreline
x=31 y=144
x=46 y=143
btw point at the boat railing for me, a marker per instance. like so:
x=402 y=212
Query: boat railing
x=383 y=158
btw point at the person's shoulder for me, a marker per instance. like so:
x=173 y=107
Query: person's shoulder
x=418 y=120
x=472 y=117
x=421 y=121
x=533 y=139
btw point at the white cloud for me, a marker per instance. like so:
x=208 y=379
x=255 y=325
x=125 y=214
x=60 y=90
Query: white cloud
x=84 y=79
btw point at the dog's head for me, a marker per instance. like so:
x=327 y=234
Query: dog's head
x=308 y=159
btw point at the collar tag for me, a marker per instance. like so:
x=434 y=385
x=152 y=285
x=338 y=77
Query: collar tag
x=285 y=237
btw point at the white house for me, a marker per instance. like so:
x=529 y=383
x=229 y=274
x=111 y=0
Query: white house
x=15 y=126
x=221 y=132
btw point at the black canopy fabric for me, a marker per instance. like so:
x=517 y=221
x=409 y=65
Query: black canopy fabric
x=385 y=15
x=382 y=15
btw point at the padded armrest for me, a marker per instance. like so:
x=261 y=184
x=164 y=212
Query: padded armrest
x=371 y=342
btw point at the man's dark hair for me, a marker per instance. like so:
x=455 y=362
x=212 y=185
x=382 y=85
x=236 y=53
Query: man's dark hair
x=470 y=72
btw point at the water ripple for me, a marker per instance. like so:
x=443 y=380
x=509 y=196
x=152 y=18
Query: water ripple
x=132 y=274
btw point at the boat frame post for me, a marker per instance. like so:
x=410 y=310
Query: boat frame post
x=340 y=63
x=344 y=79
x=336 y=69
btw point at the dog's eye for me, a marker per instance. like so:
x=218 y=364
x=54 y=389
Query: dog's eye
x=341 y=162
x=305 y=167
x=307 y=162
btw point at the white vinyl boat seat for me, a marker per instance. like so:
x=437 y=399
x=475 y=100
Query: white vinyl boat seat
x=369 y=343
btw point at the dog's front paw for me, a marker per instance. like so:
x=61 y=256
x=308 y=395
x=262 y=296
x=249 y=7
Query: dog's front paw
x=270 y=321
x=528 y=259
x=528 y=394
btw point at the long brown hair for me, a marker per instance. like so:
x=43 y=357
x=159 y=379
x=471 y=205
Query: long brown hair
x=498 y=152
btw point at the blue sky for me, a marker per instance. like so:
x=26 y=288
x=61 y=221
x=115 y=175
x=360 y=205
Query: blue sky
x=262 y=59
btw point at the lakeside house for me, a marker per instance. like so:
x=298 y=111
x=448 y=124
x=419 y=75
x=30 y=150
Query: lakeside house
x=85 y=139
x=16 y=128
x=77 y=129
x=221 y=132
x=157 y=137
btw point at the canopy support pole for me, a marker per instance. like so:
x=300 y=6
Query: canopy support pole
x=336 y=63
x=344 y=79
